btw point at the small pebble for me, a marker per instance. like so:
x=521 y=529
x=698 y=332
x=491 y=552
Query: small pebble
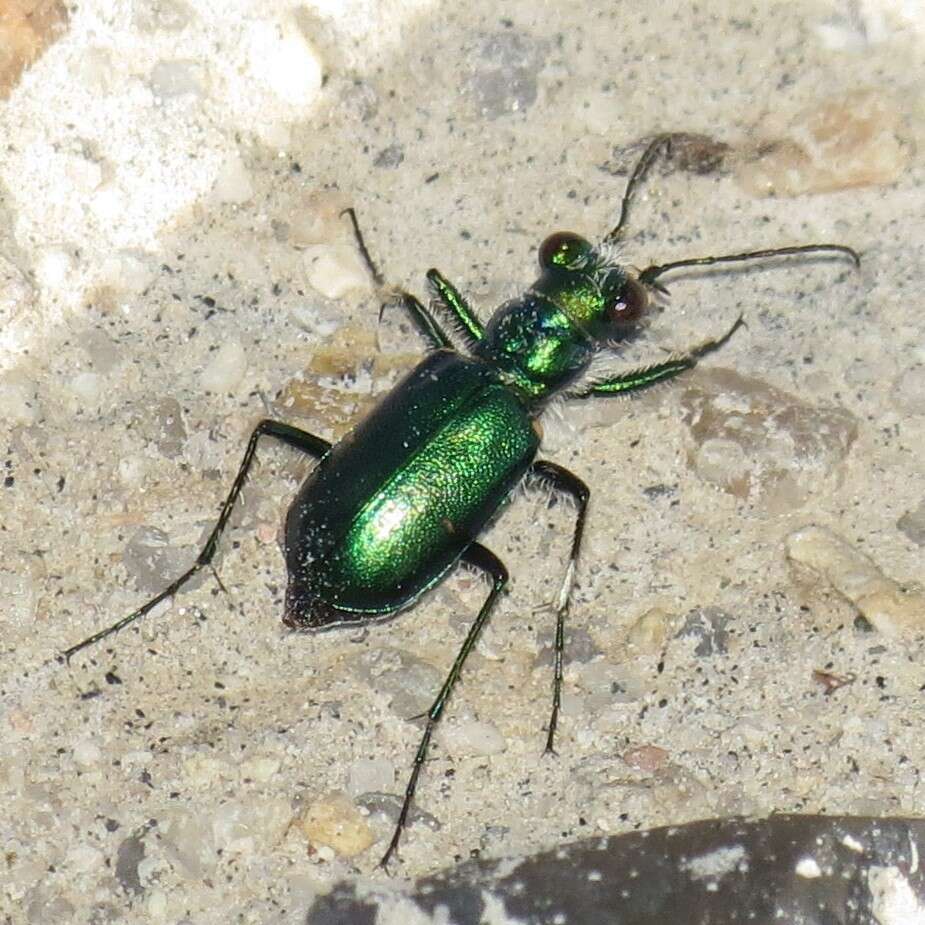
x=336 y=823
x=232 y=828
x=85 y=859
x=912 y=524
x=410 y=683
x=835 y=144
x=151 y=561
x=894 y=899
x=175 y=77
x=471 y=737
x=54 y=267
x=316 y=218
x=16 y=291
x=86 y=388
x=233 y=183
x=758 y=442
x=368 y=775
x=708 y=626
x=646 y=758
x=333 y=270
x=166 y=427
x=260 y=769
x=281 y=60
x=579 y=647
x=605 y=683
x=27 y=28
x=650 y=631
x=157 y=904
x=204 y=772
x=225 y=369
x=18 y=402
x=87 y=753
x=189 y=843
x=857 y=578
x=908 y=392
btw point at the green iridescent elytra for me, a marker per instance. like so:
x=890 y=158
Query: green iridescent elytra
x=403 y=497
x=427 y=469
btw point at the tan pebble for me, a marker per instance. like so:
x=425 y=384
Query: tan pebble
x=834 y=144
x=649 y=632
x=335 y=822
x=646 y=758
x=858 y=578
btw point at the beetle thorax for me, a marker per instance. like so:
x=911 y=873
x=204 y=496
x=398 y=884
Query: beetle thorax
x=535 y=346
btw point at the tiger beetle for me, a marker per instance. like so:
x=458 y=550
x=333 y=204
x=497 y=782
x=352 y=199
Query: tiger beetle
x=397 y=503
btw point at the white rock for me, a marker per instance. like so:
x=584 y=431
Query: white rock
x=281 y=60
x=85 y=858
x=87 y=387
x=18 y=404
x=370 y=776
x=858 y=578
x=260 y=769
x=226 y=369
x=87 y=753
x=233 y=183
x=157 y=904
x=471 y=737
x=334 y=269
x=54 y=267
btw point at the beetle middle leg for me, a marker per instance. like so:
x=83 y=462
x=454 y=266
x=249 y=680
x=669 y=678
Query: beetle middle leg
x=294 y=437
x=421 y=317
x=562 y=480
x=486 y=561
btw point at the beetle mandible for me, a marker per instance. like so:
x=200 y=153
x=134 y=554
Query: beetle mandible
x=399 y=501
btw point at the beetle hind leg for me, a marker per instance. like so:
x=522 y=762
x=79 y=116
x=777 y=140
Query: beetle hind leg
x=486 y=561
x=292 y=436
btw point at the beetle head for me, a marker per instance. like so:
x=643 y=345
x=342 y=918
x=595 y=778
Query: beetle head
x=600 y=297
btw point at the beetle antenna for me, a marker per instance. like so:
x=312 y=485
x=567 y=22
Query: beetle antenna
x=656 y=146
x=374 y=271
x=650 y=274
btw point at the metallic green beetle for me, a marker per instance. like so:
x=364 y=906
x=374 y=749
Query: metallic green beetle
x=393 y=506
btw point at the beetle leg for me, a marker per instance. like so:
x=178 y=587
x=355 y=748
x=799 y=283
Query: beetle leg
x=641 y=378
x=428 y=326
x=300 y=439
x=483 y=559
x=454 y=302
x=560 y=479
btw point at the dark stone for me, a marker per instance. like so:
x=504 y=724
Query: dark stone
x=815 y=870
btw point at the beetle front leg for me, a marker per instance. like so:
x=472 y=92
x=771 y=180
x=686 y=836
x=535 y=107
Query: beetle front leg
x=636 y=379
x=560 y=479
x=483 y=559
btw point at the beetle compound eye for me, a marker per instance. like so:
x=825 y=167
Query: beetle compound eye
x=564 y=249
x=629 y=303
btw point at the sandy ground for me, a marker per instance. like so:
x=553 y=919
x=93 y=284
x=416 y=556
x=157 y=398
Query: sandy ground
x=174 y=269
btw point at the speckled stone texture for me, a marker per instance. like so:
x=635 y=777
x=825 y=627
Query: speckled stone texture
x=745 y=637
